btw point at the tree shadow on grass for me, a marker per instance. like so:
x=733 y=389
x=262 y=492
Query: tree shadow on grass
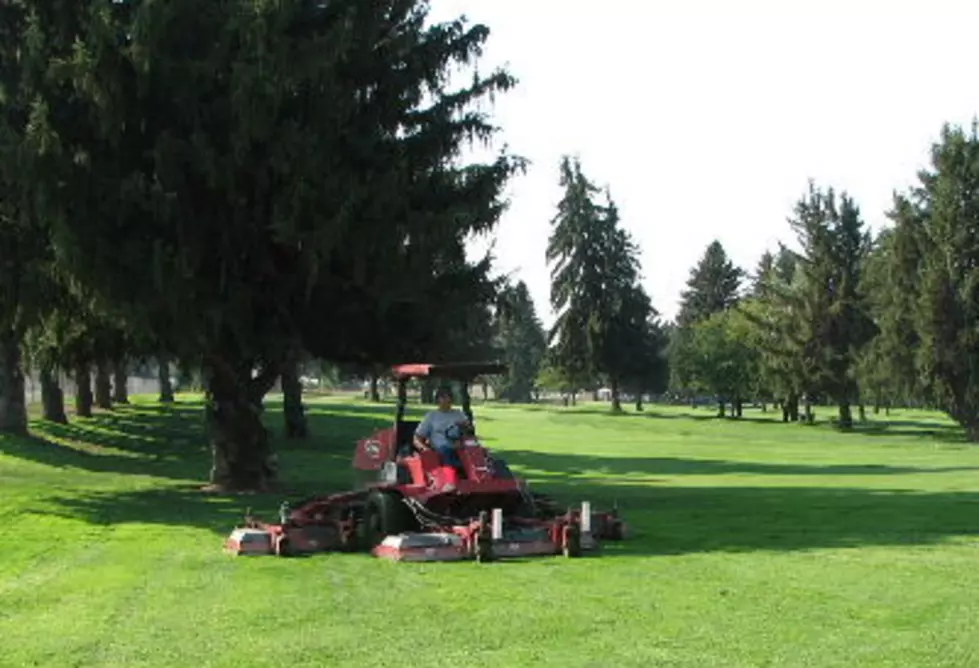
x=664 y=520
x=667 y=519
x=171 y=441
x=569 y=467
x=877 y=426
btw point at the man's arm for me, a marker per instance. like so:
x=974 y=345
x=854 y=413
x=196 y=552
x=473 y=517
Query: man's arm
x=423 y=433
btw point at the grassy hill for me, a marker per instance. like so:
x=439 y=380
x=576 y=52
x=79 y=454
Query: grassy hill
x=756 y=544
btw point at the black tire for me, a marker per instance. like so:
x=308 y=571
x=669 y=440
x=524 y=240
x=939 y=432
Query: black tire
x=501 y=470
x=385 y=514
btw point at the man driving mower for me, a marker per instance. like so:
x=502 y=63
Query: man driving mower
x=434 y=430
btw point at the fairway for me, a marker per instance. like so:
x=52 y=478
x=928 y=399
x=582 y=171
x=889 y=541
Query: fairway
x=756 y=544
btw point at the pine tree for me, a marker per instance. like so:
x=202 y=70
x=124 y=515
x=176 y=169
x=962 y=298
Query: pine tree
x=595 y=284
x=897 y=294
x=523 y=342
x=576 y=279
x=229 y=172
x=714 y=285
x=937 y=230
x=834 y=323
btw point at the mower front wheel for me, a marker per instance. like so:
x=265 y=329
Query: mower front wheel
x=385 y=514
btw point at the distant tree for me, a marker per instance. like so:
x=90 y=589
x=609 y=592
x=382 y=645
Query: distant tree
x=646 y=349
x=619 y=323
x=835 y=322
x=714 y=285
x=895 y=290
x=523 y=342
x=776 y=314
x=576 y=278
x=937 y=233
x=602 y=312
x=552 y=377
x=724 y=362
x=766 y=265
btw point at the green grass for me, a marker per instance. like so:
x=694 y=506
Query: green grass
x=757 y=544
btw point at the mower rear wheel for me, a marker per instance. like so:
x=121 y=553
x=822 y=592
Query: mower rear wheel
x=385 y=514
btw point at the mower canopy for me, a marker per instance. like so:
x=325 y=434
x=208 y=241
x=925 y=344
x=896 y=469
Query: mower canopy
x=463 y=372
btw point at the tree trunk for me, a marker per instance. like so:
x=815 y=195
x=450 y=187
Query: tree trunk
x=120 y=382
x=485 y=387
x=52 y=396
x=374 y=394
x=887 y=410
x=862 y=412
x=163 y=375
x=764 y=406
x=594 y=395
x=972 y=432
x=790 y=408
x=721 y=409
x=616 y=400
x=574 y=398
x=738 y=408
x=427 y=391
x=13 y=397
x=292 y=402
x=846 y=415
x=809 y=418
x=242 y=457
x=103 y=386
x=639 y=407
x=83 y=391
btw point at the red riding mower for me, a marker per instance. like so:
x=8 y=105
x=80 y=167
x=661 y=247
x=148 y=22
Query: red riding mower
x=415 y=507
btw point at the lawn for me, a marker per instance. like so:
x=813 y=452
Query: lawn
x=756 y=544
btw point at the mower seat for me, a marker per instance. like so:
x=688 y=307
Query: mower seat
x=404 y=439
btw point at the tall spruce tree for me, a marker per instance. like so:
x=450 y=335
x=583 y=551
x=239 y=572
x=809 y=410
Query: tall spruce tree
x=576 y=278
x=937 y=259
x=776 y=316
x=24 y=239
x=835 y=321
x=595 y=282
x=896 y=297
x=264 y=161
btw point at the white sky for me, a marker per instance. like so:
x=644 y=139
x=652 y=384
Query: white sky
x=707 y=117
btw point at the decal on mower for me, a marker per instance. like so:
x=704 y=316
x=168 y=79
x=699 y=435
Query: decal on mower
x=373 y=449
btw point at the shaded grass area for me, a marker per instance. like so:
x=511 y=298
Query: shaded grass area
x=756 y=543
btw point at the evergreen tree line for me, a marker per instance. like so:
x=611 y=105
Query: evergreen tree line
x=846 y=318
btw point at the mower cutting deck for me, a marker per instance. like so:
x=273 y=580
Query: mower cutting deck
x=416 y=508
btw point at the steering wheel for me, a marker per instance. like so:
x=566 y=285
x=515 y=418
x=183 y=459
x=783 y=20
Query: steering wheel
x=456 y=431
